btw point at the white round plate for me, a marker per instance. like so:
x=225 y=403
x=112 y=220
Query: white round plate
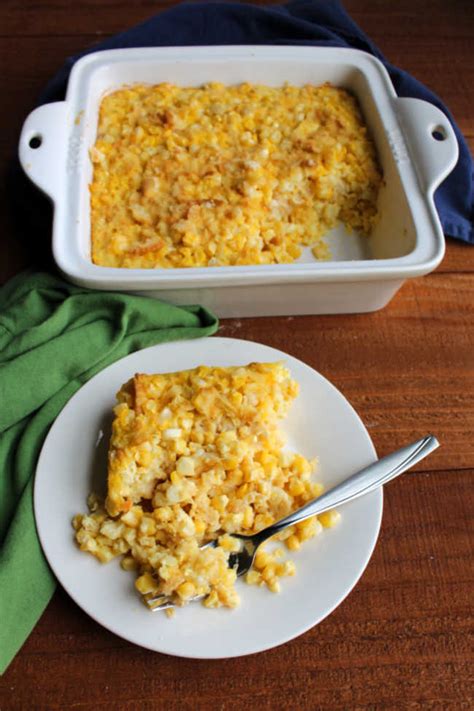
x=73 y=463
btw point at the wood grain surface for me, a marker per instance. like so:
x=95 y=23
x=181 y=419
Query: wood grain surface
x=403 y=639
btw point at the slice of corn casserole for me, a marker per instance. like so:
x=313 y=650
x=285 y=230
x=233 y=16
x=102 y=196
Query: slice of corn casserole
x=194 y=456
x=227 y=175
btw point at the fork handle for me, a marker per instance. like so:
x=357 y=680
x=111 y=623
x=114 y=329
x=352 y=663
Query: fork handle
x=360 y=483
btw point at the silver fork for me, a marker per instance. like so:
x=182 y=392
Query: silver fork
x=359 y=484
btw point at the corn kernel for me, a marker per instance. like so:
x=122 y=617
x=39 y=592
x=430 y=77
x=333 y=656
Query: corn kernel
x=316 y=489
x=91 y=546
x=309 y=528
x=129 y=563
x=249 y=517
x=186 y=590
x=120 y=546
x=212 y=600
x=175 y=478
x=228 y=597
x=144 y=457
x=147 y=526
x=262 y=559
x=104 y=554
x=133 y=517
x=296 y=487
x=290 y=568
x=77 y=521
x=229 y=543
x=273 y=585
x=253 y=577
x=293 y=543
x=145 y=584
x=163 y=513
x=269 y=572
x=185 y=466
x=93 y=502
x=180 y=446
x=328 y=519
x=199 y=526
x=242 y=491
x=220 y=502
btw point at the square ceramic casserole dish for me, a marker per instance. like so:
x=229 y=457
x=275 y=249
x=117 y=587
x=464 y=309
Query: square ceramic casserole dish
x=415 y=142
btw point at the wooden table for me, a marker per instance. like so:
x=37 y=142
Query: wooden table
x=401 y=640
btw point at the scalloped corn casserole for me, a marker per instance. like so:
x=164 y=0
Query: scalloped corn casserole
x=195 y=456
x=227 y=175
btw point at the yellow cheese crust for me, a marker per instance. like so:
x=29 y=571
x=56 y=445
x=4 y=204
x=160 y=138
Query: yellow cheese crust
x=216 y=416
x=227 y=175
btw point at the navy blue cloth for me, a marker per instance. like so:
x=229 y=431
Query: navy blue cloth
x=301 y=22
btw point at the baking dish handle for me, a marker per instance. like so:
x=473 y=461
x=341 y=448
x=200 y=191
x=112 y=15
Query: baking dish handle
x=431 y=140
x=43 y=147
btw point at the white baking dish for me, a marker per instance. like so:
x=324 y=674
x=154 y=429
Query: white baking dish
x=363 y=275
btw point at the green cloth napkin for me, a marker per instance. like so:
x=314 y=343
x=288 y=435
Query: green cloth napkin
x=53 y=338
